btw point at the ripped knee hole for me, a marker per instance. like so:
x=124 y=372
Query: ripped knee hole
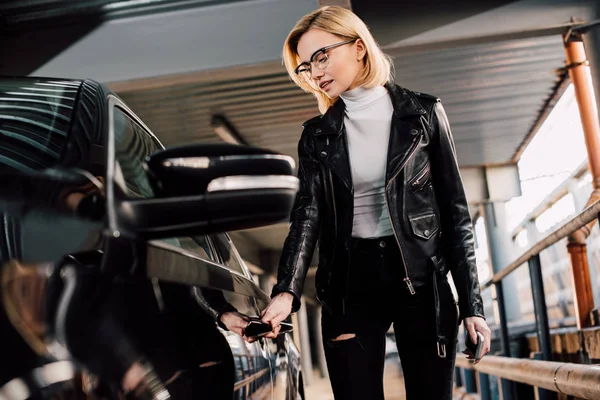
x=345 y=336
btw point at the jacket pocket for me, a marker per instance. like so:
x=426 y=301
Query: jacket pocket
x=424 y=225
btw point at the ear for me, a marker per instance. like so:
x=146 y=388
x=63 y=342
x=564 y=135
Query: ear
x=361 y=50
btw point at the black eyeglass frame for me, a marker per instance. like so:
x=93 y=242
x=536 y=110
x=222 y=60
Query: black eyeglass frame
x=321 y=50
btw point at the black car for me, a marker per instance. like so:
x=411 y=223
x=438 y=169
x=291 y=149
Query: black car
x=114 y=258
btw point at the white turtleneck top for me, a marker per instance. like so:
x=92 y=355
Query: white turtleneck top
x=368 y=122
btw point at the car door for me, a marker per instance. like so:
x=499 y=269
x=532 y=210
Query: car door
x=256 y=357
x=44 y=124
x=209 y=267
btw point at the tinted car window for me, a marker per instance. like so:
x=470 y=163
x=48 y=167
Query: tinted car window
x=197 y=245
x=35 y=118
x=132 y=145
x=228 y=253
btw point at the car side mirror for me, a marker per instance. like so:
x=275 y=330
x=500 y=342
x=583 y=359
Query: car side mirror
x=205 y=188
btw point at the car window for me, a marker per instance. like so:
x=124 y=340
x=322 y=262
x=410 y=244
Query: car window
x=35 y=118
x=132 y=145
x=229 y=255
x=198 y=245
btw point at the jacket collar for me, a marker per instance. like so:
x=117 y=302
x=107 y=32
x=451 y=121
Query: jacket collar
x=404 y=103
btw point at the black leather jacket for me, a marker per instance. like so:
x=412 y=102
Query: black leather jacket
x=425 y=197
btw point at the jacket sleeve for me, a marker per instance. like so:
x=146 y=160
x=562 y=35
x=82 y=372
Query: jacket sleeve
x=300 y=243
x=456 y=223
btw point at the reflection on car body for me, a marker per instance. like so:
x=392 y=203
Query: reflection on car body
x=89 y=277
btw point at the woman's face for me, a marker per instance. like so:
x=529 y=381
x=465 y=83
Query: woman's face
x=343 y=64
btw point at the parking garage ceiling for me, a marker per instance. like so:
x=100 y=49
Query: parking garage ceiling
x=495 y=64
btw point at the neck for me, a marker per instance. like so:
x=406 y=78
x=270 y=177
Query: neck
x=361 y=97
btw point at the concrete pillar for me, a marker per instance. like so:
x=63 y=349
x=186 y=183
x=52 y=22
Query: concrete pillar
x=501 y=251
x=305 y=355
x=319 y=343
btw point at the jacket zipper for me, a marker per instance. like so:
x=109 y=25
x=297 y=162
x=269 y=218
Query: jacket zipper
x=331 y=192
x=331 y=197
x=416 y=182
x=348 y=240
x=407 y=280
x=335 y=229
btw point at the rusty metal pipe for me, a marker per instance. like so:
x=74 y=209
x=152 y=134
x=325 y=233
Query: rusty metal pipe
x=579 y=72
x=582 y=283
x=579 y=380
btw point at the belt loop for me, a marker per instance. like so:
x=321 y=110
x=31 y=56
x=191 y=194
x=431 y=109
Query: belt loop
x=441 y=349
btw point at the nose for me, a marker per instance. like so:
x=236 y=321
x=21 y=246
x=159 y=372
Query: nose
x=316 y=73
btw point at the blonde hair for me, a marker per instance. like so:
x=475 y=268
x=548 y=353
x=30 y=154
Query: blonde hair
x=347 y=25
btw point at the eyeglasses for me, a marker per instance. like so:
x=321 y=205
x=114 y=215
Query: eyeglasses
x=319 y=59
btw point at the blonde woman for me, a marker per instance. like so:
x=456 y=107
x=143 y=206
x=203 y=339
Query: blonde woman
x=382 y=195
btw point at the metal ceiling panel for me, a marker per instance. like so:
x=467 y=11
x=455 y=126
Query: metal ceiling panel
x=493 y=94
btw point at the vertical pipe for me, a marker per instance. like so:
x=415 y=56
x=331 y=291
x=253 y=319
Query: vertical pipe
x=541 y=318
x=539 y=306
x=579 y=72
x=484 y=387
x=580 y=198
x=507 y=387
x=469 y=381
x=504 y=338
x=584 y=298
x=458 y=377
x=591 y=41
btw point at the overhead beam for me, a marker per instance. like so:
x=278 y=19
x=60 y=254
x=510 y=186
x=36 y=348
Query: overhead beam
x=226 y=131
x=514 y=21
x=400 y=48
x=342 y=3
x=197 y=77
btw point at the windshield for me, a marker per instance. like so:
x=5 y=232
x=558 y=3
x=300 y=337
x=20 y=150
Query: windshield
x=35 y=117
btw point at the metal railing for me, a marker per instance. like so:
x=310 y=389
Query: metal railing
x=579 y=380
x=533 y=372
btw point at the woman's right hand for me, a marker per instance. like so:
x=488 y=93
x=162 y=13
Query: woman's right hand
x=277 y=311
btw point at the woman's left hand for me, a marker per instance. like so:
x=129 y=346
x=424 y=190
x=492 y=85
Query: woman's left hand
x=478 y=324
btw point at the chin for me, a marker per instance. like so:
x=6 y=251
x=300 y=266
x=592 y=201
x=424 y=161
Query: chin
x=333 y=94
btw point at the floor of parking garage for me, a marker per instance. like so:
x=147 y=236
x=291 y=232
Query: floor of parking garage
x=393 y=384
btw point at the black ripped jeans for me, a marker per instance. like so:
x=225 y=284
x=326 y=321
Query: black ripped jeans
x=378 y=298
